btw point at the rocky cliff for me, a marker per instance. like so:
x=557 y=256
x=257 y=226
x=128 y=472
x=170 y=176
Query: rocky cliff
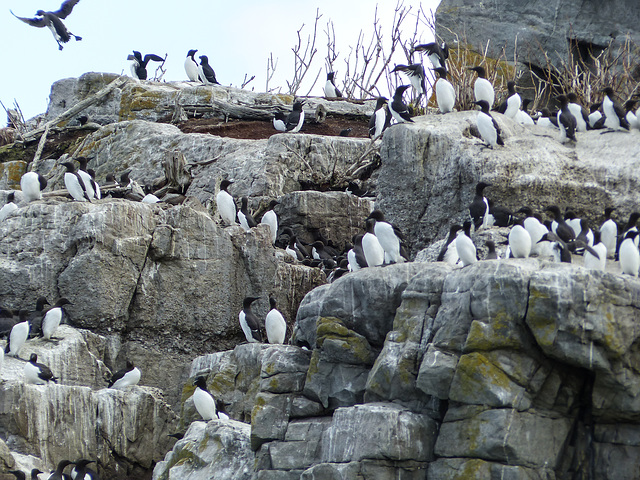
x=507 y=368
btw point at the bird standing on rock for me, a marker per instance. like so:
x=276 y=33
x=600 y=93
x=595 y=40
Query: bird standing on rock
x=381 y=118
x=249 y=321
x=482 y=88
x=32 y=184
x=448 y=252
x=53 y=317
x=389 y=237
x=59 y=474
x=191 y=66
x=18 y=336
x=295 y=119
x=479 y=207
x=465 y=247
x=275 y=324
x=226 y=204
x=206 y=73
x=244 y=217
x=53 y=20
x=36 y=373
x=21 y=475
x=130 y=375
x=615 y=116
x=9 y=207
x=566 y=120
x=487 y=125
x=445 y=93
x=139 y=64
x=74 y=183
x=270 y=218
x=80 y=471
x=373 y=251
x=399 y=110
x=330 y=89
x=205 y=403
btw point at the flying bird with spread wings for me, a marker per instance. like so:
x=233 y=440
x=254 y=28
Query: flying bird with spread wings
x=53 y=20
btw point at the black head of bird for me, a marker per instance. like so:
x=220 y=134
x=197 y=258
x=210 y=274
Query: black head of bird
x=479 y=70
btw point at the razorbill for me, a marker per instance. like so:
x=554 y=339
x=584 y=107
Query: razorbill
x=464 y=245
x=629 y=257
x=399 y=110
x=563 y=230
x=206 y=73
x=9 y=207
x=270 y=218
x=249 y=321
x=519 y=241
x=130 y=375
x=53 y=317
x=373 y=251
x=280 y=121
x=80 y=471
x=445 y=93
x=416 y=75
x=609 y=232
x=74 y=183
x=59 y=474
x=580 y=113
x=93 y=190
x=139 y=64
x=482 y=88
x=615 y=116
x=513 y=101
x=18 y=336
x=36 y=373
x=191 y=66
x=330 y=89
x=599 y=262
x=381 y=118
x=437 y=53
x=53 y=20
x=559 y=250
x=204 y=402
x=566 y=121
x=479 y=207
x=547 y=119
x=295 y=119
x=389 y=237
x=487 y=125
x=226 y=204
x=275 y=324
x=32 y=184
x=448 y=252
x=244 y=216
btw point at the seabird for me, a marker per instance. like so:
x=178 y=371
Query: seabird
x=18 y=336
x=487 y=125
x=53 y=20
x=9 y=207
x=345 y=132
x=357 y=260
x=275 y=324
x=631 y=117
x=416 y=75
x=519 y=241
x=437 y=53
x=80 y=471
x=150 y=198
x=559 y=249
x=330 y=89
x=204 y=401
x=207 y=75
x=596 y=118
x=609 y=232
x=139 y=64
x=499 y=216
x=464 y=245
x=482 y=88
x=448 y=252
x=389 y=237
x=371 y=248
x=96 y=187
x=563 y=230
x=512 y=104
x=445 y=93
x=270 y=218
x=547 y=119
x=58 y=474
x=536 y=230
x=280 y=121
x=35 y=317
x=599 y=262
x=398 y=108
x=291 y=249
x=244 y=217
x=580 y=113
x=320 y=252
x=22 y=476
x=615 y=116
x=32 y=184
x=566 y=121
x=629 y=255
x=130 y=375
x=479 y=207
x=36 y=373
x=295 y=119
x=522 y=115
x=226 y=204
x=381 y=118
x=53 y=317
x=249 y=321
x=491 y=254
x=191 y=66
x=74 y=183
x=93 y=190
x=300 y=247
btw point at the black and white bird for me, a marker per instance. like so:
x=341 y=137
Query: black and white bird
x=598 y=262
x=487 y=126
x=226 y=204
x=563 y=230
x=35 y=317
x=629 y=257
x=559 y=249
x=280 y=121
x=295 y=119
x=615 y=116
x=465 y=246
x=9 y=207
x=270 y=218
x=631 y=116
x=522 y=115
x=513 y=102
x=399 y=110
x=130 y=375
x=596 y=118
x=206 y=73
x=244 y=216
x=36 y=373
x=53 y=317
x=609 y=232
x=204 y=402
x=437 y=53
x=519 y=241
x=139 y=64
x=249 y=321
x=381 y=118
x=482 y=88
x=74 y=183
x=445 y=93
x=389 y=237
x=355 y=256
x=93 y=190
x=566 y=121
x=32 y=184
x=373 y=251
x=18 y=336
x=80 y=471
x=536 y=230
x=191 y=66
x=416 y=75
x=330 y=89
x=547 y=119
x=53 y=20
x=580 y=112
x=59 y=474
x=275 y=324
x=479 y=207
x=22 y=476
x=448 y=252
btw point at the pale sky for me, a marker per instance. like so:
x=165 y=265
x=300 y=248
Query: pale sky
x=237 y=38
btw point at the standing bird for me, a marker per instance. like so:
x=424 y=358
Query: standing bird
x=35 y=317
x=491 y=253
x=93 y=190
x=36 y=373
x=330 y=89
x=465 y=247
x=51 y=320
x=295 y=119
x=416 y=75
x=139 y=64
x=629 y=255
x=609 y=232
x=631 y=116
x=249 y=321
x=191 y=66
x=596 y=118
x=563 y=230
x=389 y=237
x=512 y=105
x=566 y=121
x=53 y=20
x=244 y=217
x=615 y=116
x=482 y=88
x=18 y=336
x=207 y=75
x=547 y=119
x=130 y=375
x=356 y=256
x=32 y=184
x=535 y=229
x=280 y=121
x=437 y=53
x=373 y=251
x=270 y=218
x=9 y=207
x=204 y=401
x=445 y=93
x=399 y=110
x=275 y=324
x=80 y=471
x=580 y=113
x=448 y=252
x=487 y=125
x=226 y=204
x=598 y=262
x=74 y=183
x=479 y=207
x=59 y=472
x=519 y=241
x=522 y=115
x=381 y=118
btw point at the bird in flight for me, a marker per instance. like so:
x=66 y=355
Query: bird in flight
x=53 y=20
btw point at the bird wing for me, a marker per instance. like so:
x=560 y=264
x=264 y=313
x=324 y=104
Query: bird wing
x=65 y=8
x=153 y=57
x=34 y=22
